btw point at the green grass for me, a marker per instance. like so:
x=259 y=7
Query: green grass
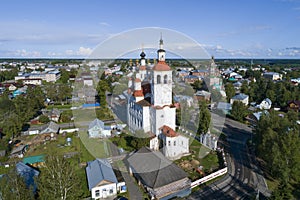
x=99 y=148
x=210 y=162
x=66 y=106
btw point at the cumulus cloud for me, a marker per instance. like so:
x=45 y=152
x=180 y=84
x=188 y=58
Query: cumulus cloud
x=21 y=53
x=82 y=51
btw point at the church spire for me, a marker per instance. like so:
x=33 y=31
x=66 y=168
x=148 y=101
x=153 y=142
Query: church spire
x=161 y=53
x=161 y=42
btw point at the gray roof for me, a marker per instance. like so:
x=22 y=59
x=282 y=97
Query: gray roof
x=154 y=169
x=240 y=96
x=97 y=123
x=202 y=93
x=224 y=106
x=51 y=128
x=99 y=170
x=19 y=149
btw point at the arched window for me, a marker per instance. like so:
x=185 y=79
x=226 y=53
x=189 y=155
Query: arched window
x=165 y=79
x=158 y=79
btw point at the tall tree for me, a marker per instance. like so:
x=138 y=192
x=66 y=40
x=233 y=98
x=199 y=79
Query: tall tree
x=13 y=186
x=58 y=180
x=245 y=87
x=102 y=87
x=230 y=91
x=239 y=110
x=204 y=118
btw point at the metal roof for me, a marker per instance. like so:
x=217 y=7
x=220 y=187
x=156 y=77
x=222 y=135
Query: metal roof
x=154 y=169
x=99 y=170
x=97 y=123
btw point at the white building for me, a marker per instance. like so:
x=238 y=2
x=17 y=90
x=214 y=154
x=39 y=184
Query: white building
x=265 y=104
x=272 y=75
x=52 y=76
x=102 y=180
x=32 y=81
x=98 y=130
x=240 y=97
x=150 y=106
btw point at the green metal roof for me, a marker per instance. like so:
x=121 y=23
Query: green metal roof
x=34 y=159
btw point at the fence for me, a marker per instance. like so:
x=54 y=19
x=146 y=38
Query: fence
x=209 y=177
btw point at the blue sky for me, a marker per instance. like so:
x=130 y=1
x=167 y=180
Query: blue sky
x=225 y=28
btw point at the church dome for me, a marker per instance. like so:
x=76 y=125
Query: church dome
x=143 y=55
x=161 y=66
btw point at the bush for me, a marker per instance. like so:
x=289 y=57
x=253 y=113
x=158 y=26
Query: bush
x=44 y=119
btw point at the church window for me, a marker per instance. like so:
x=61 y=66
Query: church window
x=165 y=79
x=97 y=193
x=169 y=143
x=174 y=143
x=158 y=79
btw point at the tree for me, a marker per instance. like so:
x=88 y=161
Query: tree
x=58 y=179
x=204 y=118
x=244 y=87
x=13 y=186
x=278 y=144
x=239 y=110
x=141 y=140
x=283 y=192
x=66 y=116
x=230 y=91
x=44 y=119
x=197 y=85
x=64 y=92
x=64 y=76
x=102 y=87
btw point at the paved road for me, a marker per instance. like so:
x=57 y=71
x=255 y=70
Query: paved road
x=243 y=178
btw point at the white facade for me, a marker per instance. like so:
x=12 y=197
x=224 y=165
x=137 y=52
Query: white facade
x=88 y=81
x=12 y=87
x=52 y=76
x=240 y=97
x=104 y=191
x=162 y=88
x=32 y=81
x=175 y=147
x=265 y=104
x=161 y=117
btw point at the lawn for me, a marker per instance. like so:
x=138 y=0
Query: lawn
x=200 y=156
x=66 y=106
x=99 y=148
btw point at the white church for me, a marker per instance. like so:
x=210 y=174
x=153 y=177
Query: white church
x=150 y=107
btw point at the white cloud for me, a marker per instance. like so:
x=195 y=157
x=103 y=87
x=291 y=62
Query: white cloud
x=24 y=53
x=104 y=24
x=82 y=51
